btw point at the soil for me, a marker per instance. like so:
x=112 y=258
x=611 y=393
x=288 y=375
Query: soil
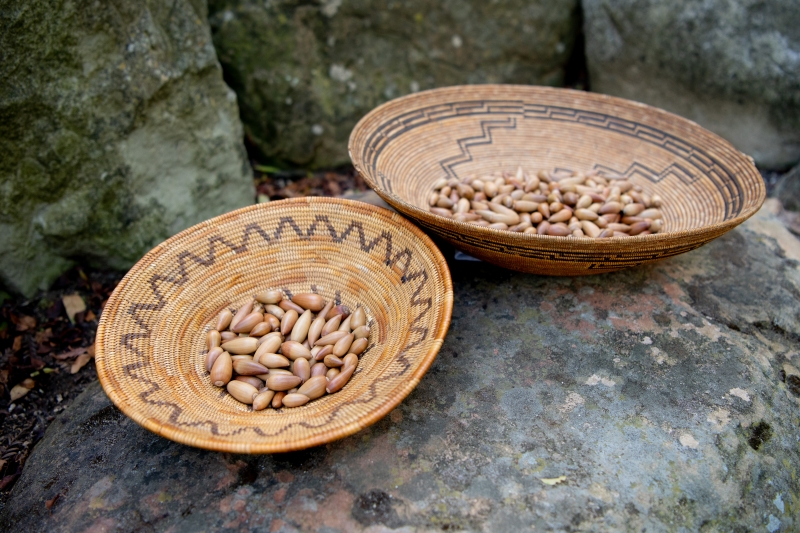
x=38 y=342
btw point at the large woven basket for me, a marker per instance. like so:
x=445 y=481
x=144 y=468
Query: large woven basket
x=151 y=338
x=402 y=147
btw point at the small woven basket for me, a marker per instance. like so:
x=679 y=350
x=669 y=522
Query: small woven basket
x=708 y=187
x=151 y=341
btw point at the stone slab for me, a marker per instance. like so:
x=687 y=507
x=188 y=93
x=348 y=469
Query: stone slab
x=662 y=398
x=731 y=66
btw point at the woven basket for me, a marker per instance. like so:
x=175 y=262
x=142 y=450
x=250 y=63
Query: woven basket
x=151 y=339
x=708 y=187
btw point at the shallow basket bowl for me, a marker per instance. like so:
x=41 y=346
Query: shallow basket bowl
x=402 y=147
x=151 y=341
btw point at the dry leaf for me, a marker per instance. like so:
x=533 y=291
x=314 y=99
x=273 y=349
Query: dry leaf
x=553 y=480
x=43 y=336
x=24 y=323
x=90 y=316
x=73 y=304
x=18 y=391
x=80 y=362
x=70 y=354
x=8 y=481
x=90 y=350
x=49 y=503
x=17 y=345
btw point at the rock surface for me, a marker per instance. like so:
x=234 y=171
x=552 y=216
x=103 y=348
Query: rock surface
x=788 y=190
x=306 y=72
x=662 y=398
x=733 y=67
x=116 y=131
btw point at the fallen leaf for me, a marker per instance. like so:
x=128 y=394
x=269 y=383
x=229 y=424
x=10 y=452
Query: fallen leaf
x=18 y=391
x=90 y=350
x=28 y=382
x=8 y=480
x=44 y=348
x=90 y=316
x=37 y=363
x=73 y=304
x=70 y=354
x=553 y=480
x=43 y=336
x=24 y=323
x=17 y=345
x=80 y=362
x=2 y=463
x=49 y=503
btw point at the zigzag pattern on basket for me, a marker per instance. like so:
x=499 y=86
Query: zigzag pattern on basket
x=701 y=160
x=401 y=259
x=468 y=142
x=639 y=169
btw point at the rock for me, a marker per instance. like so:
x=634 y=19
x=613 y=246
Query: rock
x=663 y=397
x=788 y=189
x=306 y=72
x=733 y=67
x=116 y=131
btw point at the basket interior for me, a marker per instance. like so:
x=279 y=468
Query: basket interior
x=154 y=329
x=409 y=143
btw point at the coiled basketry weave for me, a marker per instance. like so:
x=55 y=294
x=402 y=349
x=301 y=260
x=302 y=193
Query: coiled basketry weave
x=402 y=147
x=151 y=343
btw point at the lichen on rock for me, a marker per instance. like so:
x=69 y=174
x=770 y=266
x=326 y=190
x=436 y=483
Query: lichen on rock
x=306 y=72
x=733 y=67
x=116 y=131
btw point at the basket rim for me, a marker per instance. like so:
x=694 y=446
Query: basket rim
x=397 y=395
x=583 y=244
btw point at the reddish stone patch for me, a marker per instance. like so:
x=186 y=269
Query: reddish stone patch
x=225 y=504
x=231 y=475
x=311 y=514
x=284 y=476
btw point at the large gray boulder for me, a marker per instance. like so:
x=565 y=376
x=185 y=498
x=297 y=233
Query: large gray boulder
x=732 y=66
x=116 y=131
x=660 y=398
x=305 y=72
x=788 y=189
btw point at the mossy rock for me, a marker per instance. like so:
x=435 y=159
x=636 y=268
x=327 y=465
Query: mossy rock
x=306 y=72
x=116 y=131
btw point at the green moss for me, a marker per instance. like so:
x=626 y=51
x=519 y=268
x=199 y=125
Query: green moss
x=284 y=51
x=92 y=83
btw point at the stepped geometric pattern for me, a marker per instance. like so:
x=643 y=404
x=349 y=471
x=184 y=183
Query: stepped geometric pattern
x=402 y=147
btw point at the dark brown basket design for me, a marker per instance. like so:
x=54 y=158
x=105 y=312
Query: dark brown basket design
x=151 y=338
x=403 y=146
